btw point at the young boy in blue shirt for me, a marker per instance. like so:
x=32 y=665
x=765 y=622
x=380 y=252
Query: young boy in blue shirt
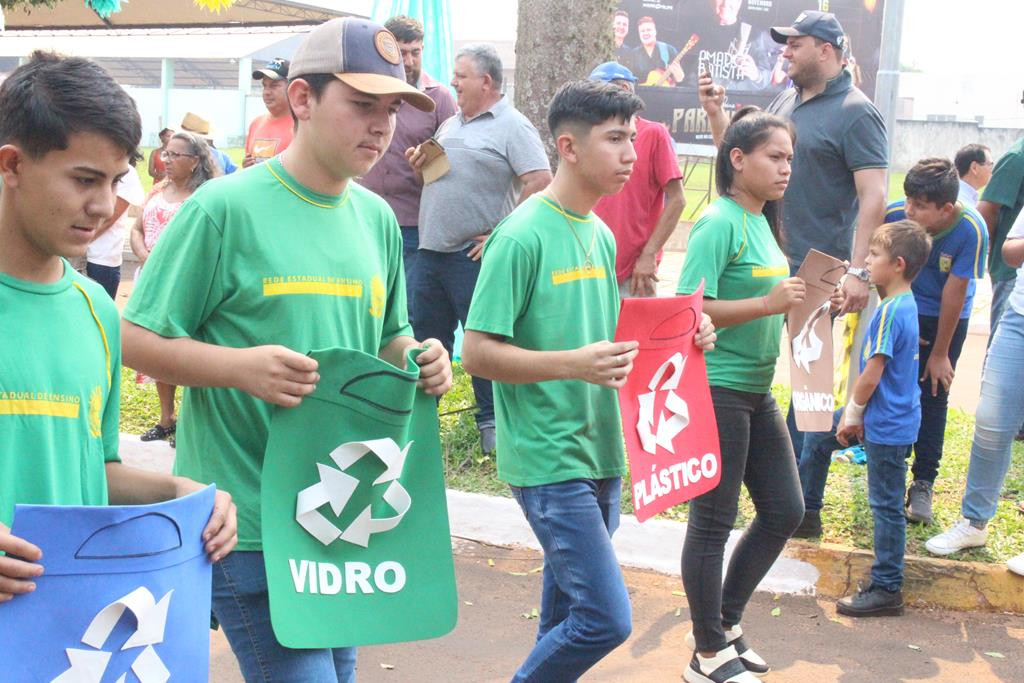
x=884 y=409
x=944 y=292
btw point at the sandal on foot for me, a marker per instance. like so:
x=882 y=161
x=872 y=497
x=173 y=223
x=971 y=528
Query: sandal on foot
x=157 y=432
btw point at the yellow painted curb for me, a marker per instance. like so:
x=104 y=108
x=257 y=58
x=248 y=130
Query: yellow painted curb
x=930 y=582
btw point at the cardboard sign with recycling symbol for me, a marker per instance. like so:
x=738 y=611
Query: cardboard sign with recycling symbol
x=667 y=417
x=355 y=522
x=810 y=330
x=125 y=596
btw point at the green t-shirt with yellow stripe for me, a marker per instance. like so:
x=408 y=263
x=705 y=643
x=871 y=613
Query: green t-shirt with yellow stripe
x=59 y=391
x=539 y=291
x=736 y=255
x=255 y=258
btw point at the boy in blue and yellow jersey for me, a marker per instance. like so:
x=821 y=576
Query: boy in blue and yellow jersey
x=884 y=409
x=944 y=292
x=67 y=135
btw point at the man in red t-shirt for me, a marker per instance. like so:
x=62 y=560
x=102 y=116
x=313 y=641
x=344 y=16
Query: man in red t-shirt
x=270 y=133
x=645 y=213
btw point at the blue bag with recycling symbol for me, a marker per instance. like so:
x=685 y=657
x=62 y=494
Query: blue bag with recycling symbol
x=124 y=597
x=355 y=522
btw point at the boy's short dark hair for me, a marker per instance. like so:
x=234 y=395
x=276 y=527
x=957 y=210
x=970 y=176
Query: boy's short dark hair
x=50 y=97
x=933 y=180
x=967 y=155
x=590 y=103
x=406 y=29
x=904 y=239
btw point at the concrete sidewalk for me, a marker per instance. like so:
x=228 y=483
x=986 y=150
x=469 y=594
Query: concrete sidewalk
x=497 y=561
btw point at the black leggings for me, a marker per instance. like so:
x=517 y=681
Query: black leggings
x=756 y=450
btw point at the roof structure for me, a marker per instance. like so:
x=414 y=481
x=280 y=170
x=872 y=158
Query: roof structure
x=169 y=14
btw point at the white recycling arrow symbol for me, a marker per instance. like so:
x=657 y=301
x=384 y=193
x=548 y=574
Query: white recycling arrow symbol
x=88 y=666
x=670 y=427
x=807 y=346
x=336 y=488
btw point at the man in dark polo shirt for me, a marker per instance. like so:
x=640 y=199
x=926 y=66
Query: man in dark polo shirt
x=392 y=177
x=837 y=192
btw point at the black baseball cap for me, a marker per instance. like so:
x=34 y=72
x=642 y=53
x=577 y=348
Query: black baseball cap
x=276 y=70
x=820 y=25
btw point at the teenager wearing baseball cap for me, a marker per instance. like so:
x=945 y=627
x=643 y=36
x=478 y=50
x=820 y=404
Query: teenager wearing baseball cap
x=238 y=346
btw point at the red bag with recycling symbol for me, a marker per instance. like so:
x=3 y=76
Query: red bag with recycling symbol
x=667 y=416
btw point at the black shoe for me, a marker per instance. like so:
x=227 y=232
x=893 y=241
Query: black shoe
x=873 y=602
x=810 y=527
x=725 y=667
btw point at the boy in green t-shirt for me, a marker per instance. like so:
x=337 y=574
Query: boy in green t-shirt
x=543 y=312
x=262 y=266
x=67 y=135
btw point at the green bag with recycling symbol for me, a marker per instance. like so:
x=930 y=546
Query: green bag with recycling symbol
x=355 y=523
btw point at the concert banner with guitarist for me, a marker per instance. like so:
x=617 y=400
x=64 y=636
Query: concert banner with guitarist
x=668 y=44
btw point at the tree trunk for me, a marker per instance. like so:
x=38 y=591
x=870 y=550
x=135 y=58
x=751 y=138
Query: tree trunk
x=558 y=41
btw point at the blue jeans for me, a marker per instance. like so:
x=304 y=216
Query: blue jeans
x=108 y=276
x=410 y=259
x=931 y=436
x=444 y=288
x=999 y=416
x=1000 y=295
x=584 y=608
x=815 y=459
x=887 y=479
x=241 y=605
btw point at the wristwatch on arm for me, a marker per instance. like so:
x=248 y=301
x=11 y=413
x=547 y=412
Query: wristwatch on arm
x=859 y=273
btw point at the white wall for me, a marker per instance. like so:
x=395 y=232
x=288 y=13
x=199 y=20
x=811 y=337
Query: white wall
x=914 y=140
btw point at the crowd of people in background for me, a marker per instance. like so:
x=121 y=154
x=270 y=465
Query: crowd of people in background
x=346 y=157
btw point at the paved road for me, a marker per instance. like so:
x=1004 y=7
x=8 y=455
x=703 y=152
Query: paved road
x=806 y=643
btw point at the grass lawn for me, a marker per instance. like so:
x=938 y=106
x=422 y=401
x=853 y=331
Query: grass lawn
x=846 y=517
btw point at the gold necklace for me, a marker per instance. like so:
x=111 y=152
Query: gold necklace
x=587 y=263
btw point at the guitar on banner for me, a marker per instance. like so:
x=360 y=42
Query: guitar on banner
x=661 y=77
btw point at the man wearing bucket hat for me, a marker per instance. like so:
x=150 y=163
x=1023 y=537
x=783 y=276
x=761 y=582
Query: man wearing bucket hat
x=287 y=257
x=644 y=214
x=270 y=133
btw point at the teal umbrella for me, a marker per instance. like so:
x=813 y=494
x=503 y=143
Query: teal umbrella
x=437 y=29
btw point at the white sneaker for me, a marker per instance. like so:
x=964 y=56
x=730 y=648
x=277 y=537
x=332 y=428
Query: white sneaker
x=962 y=535
x=1016 y=564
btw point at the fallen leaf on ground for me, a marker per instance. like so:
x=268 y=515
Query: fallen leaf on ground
x=996 y=655
x=679 y=593
x=490 y=563
x=777 y=611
